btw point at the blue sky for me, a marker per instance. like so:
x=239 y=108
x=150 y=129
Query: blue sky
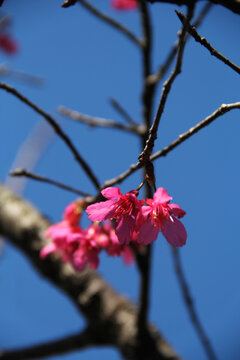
x=84 y=63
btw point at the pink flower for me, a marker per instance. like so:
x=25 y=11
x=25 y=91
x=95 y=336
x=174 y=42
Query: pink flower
x=72 y=212
x=64 y=241
x=161 y=216
x=65 y=235
x=7 y=44
x=87 y=252
x=124 y=210
x=124 y=4
x=74 y=245
x=113 y=246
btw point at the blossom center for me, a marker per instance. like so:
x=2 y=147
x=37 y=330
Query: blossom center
x=160 y=214
x=124 y=207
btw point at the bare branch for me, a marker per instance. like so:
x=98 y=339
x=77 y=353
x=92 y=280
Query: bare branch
x=118 y=107
x=190 y=305
x=58 y=131
x=223 y=109
x=233 y=5
x=192 y=31
x=112 y=22
x=30 y=175
x=58 y=347
x=144 y=156
x=148 y=91
x=103 y=308
x=155 y=78
x=144 y=266
x=99 y=122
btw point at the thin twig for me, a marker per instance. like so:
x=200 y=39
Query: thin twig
x=57 y=129
x=190 y=305
x=118 y=107
x=192 y=31
x=30 y=175
x=155 y=78
x=100 y=122
x=223 y=109
x=144 y=156
x=233 y=5
x=57 y=347
x=109 y=20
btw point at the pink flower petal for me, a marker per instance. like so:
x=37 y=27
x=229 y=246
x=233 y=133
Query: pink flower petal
x=48 y=249
x=148 y=232
x=175 y=232
x=124 y=4
x=176 y=210
x=146 y=211
x=101 y=211
x=125 y=229
x=161 y=196
x=112 y=193
x=127 y=255
x=93 y=260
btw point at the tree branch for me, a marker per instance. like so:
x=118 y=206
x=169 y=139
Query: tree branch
x=192 y=31
x=223 y=109
x=190 y=305
x=58 y=347
x=99 y=122
x=112 y=22
x=30 y=175
x=56 y=127
x=144 y=156
x=158 y=76
x=233 y=5
x=148 y=91
x=118 y=107
x=112 y=314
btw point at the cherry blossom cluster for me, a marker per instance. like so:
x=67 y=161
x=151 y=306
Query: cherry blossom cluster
x=138 y=222
x=129 y=221
x=80 y=246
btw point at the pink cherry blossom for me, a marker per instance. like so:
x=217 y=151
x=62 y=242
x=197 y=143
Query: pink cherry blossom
x=87 y=251
x=124 y=4
x=72 y=213
x=64 y=241
x=159 y=215
x=113 y=246
x=124 y=210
